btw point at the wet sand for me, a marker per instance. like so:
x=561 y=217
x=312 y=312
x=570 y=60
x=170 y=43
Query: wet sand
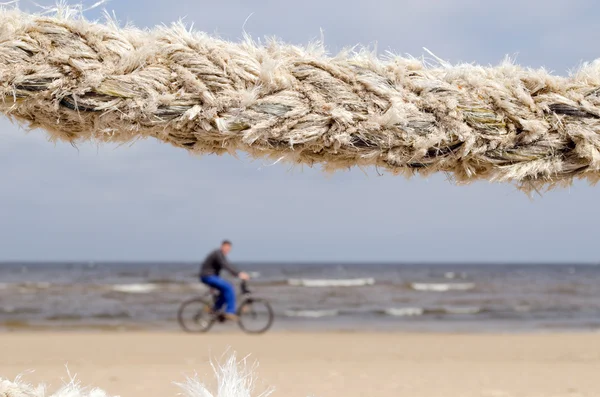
x=317 y=364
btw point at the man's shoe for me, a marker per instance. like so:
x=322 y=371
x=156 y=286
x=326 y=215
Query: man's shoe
x=231 y=317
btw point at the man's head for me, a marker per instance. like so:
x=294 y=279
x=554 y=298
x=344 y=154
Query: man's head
x=226 y=247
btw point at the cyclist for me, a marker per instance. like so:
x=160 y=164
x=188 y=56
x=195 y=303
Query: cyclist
x=210 y=275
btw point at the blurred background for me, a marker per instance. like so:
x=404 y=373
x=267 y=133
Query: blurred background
x=113 y=236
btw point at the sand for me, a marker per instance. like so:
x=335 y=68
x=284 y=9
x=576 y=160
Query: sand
x=318 y=364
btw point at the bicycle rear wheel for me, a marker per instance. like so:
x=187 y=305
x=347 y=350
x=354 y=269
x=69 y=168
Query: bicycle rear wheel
x=195 y=315
x=255 y=316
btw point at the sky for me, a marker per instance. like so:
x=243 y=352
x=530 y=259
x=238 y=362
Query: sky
x=154 y=202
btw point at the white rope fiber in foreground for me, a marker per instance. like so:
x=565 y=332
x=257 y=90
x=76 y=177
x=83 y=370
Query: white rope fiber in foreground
x=86 y=81
x=234 y=379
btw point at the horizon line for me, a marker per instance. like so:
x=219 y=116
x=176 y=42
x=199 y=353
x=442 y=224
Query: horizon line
x=303 y=262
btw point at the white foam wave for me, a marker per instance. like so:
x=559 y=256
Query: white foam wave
x=404 y=311
x=355 y=282
x=134 y=288
x=442 y=287
x=463 y=310
x=311 y=313
x=522 y=308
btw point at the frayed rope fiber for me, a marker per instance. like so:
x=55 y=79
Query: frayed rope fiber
x=235 y=378
x=86 y=81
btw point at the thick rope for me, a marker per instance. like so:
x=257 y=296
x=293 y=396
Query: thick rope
x=85 y=81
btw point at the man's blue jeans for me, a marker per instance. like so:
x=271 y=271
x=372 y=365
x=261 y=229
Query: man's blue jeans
x=227 y=295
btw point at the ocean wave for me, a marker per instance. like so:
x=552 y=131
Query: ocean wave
x=404 y=311
x=17 y=310
x=523 y=308
x=109 y=316
x=354 y=282
x=568 y=289
x=462 y=310
x=134 y=288
x=26 y=286
x=418 y=311
x=163 y=280
x=442 y=287
x=79 y=317
x=455 y=275
x=269 y=282
x=311 y=313
x=64 y=317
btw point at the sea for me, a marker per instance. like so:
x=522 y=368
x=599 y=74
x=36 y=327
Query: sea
x=309 y=296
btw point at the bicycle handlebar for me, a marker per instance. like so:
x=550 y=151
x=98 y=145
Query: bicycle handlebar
x=244 y=287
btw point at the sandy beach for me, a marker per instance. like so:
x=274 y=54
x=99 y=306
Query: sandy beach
x=317 y=364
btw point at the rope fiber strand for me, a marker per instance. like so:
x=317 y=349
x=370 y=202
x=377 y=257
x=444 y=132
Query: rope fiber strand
x=86 y=81
x=234 y=378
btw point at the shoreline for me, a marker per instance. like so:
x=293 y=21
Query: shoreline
x=101 y=330
x=309 y=327
x=408 y=326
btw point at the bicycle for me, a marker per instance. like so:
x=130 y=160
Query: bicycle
x=196 y=315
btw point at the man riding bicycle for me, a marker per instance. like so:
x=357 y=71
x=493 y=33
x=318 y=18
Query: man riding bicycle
x=210 y=275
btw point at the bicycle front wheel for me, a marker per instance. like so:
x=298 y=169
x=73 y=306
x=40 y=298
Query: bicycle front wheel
x=255 y=316
x=195 y=315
